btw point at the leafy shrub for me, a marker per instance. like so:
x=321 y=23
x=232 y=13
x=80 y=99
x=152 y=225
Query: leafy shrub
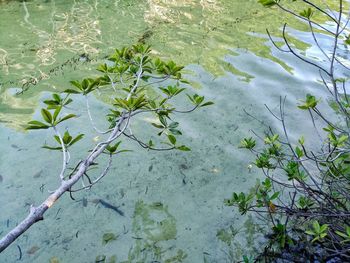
x=305 y=197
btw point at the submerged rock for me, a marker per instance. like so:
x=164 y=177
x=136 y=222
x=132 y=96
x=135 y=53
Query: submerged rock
x=32 y=250
x=54 y=260
x=100 y=258
x=38 y=174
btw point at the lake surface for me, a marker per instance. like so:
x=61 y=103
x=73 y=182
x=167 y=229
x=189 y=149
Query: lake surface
x=173 y=202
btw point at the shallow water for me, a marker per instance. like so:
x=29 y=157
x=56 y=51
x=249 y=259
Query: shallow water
x=228 y=58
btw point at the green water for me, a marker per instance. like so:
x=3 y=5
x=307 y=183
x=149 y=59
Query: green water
x=173 y=202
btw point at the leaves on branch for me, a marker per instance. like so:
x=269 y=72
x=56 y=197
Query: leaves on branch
x=268 y=3
x=67 y=139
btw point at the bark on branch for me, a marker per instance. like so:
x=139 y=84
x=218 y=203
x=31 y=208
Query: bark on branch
x=37 y=213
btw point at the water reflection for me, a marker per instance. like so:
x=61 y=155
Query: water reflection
x=47 y=34
x=76 y=31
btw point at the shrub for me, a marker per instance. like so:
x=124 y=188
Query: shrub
x=304 y=196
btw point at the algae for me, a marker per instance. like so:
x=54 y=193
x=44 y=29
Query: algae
x=153 y=228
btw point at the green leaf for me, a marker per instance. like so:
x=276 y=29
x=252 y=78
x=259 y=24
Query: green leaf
x=323 y=228
x=56 y=112
x=299 y=152
x=301 y=140
x=57 y=139
x=309 y=103
x=183 y=148
x=307 y=13
x=175 y=131
x=46 y=115
x=275 y=195
x=323 y=235
x=71 y=91
x=76 y=139
x=347 y=40
x=111 y=149
x=311 y=233
x=267 y=3
x=173 y=125
x=198 y=99
x=102 y=68
x=50 y=102
x=207 y=104
x=76 y=84
x=347 y=230
x=163 y=120
x=51 y=148
x=158 y=125
x=342 y=139
x=37 y=127
x=248 y=143
x=315 y=239
x=66 y=138
x=69 y=116
x=172 y=139
x=56 y=97
x=341 y=234
x=37 y=123
x=316 y=226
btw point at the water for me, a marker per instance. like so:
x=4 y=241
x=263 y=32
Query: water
x=228 y=58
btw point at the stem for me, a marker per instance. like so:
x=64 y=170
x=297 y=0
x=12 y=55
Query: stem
x=64 y=151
